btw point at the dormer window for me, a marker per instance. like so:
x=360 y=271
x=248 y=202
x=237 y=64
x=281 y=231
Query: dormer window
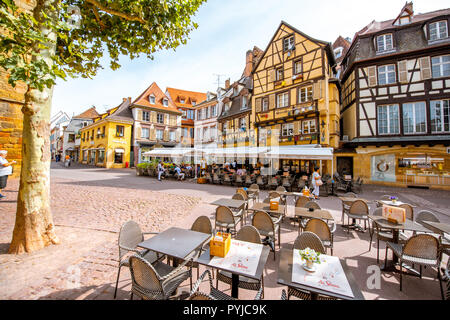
x=438 y=30
x=182 y=101
x=385 y=42
x=338 y=52
x=165 y=102
x=404 y=20
x=151 y=99
x=244 y=103
x=194 y=103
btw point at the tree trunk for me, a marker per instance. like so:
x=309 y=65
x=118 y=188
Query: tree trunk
x=34 y=228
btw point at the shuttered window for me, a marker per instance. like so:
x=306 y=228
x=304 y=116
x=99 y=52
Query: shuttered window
x=145 y=133
x=425 y=68
x=265 y=104
x=282 y=100
x=402 y=71
x=309 y=126
x=386 y=74
x=305 y=94
x=372 y=75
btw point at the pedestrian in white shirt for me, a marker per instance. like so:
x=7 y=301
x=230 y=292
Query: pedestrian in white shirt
x=160 y=170
x=5 y=170
x=316 y=182
x=180 y=174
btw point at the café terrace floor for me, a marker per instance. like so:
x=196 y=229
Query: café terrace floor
x=120 y=185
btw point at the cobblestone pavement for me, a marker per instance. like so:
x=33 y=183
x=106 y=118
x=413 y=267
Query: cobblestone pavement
x=90 y=204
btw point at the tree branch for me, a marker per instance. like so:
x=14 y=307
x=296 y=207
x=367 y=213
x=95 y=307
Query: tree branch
x=97 y=16
x=128 y=17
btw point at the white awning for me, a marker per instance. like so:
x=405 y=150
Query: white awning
x=300 y=153
x=169 y=152
x=119 y=151
x=250 y=152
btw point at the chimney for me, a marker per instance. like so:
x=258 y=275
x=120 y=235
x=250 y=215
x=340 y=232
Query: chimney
x=227 y=84
x=248 y=63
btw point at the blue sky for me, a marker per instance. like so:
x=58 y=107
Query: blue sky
x=227 y=29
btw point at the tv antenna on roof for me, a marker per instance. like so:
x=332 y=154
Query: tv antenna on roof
x=218 y=78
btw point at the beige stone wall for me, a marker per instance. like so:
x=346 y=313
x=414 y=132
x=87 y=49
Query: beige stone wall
x=11 y=101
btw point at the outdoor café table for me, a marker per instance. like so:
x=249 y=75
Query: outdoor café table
x=317 y=213
x=285 y=278
x=438 y=227
x=261 y=206
x=230 y=203
x=394 y=204
x=383 y=223
x=232 y=262
x=175 y=242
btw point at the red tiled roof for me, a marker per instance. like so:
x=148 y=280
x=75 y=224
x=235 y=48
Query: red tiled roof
x=90 y=113
x=143 y=100
x=188 y=96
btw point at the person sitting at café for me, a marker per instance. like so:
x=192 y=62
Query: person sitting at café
x=180 y=173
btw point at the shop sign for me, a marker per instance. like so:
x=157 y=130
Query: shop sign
x=383 y=168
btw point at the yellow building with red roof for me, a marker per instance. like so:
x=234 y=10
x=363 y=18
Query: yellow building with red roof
x=186 y=102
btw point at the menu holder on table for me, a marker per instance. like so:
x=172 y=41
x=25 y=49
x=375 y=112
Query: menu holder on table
x=219 y=245
x=394 y=214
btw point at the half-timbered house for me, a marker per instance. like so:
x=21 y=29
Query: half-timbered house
x=396 y=101
x=296 y=95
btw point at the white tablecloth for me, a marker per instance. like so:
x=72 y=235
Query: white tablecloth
x=243 y=257
x=329 y=275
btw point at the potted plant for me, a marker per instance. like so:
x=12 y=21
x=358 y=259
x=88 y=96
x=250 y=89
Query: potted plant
x=310 y=257
x=394 y=199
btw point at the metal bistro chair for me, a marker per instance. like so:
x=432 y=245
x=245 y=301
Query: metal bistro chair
x=409 y=211
x=322 y=230
x=268 y=227
x=238 y=181
x=421 y=249
x=300 y=203
x=307 y=240
x=273 y=183
x=227 y=179
x=213 y=293
x=249 y=234
x=201 y=224
x=446 y=278
x=158 y=281
x=260 y=181
x=381 y=234
x=240 y=212
x=225 y=219
x=254 y=195
x=130 y=236
x=248 y=180
x=357 y=211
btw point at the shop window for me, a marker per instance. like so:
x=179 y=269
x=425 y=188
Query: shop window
x=101 y=156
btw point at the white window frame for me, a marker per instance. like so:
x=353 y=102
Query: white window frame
x=287 y=129
x=440 y=65
x=265 y=104
x=213 y=111
x=152 y=99
x=305 y=94
x=307 y=128
x=172 y=135
x=165 y=102
x=146 y=136
x=298 y=63
x=145 y=118
x=338 y=52
x=438 y=34
x=283 y=98
x=444 y=118
x=290 y=41
x=244 y=103
x=159 y=136
x=160 y=116
x=384 y=75
x=388 y=119
x=279 y=74
x=386 y=46
x=414 y=112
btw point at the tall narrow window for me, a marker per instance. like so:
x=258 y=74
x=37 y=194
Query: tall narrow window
x=265 y=104
x=145 y=133
x=298 y=67
x=120 y=131
x=279 y=74
x=414 y=118
x=305 y=94
x=440 y=66
x=440 y=116
x=165 y=102
x=386 y=74
x=388 y=119
x=145 y=116
x=159 y=134
x=283 y=100
x=244 y=103
x=160 y=118
x=151 y=99
x=384 y=42
x=438 y=30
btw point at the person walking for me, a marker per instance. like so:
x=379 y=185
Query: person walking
x=160 y=170
x=316 y=182
x=5 y=170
